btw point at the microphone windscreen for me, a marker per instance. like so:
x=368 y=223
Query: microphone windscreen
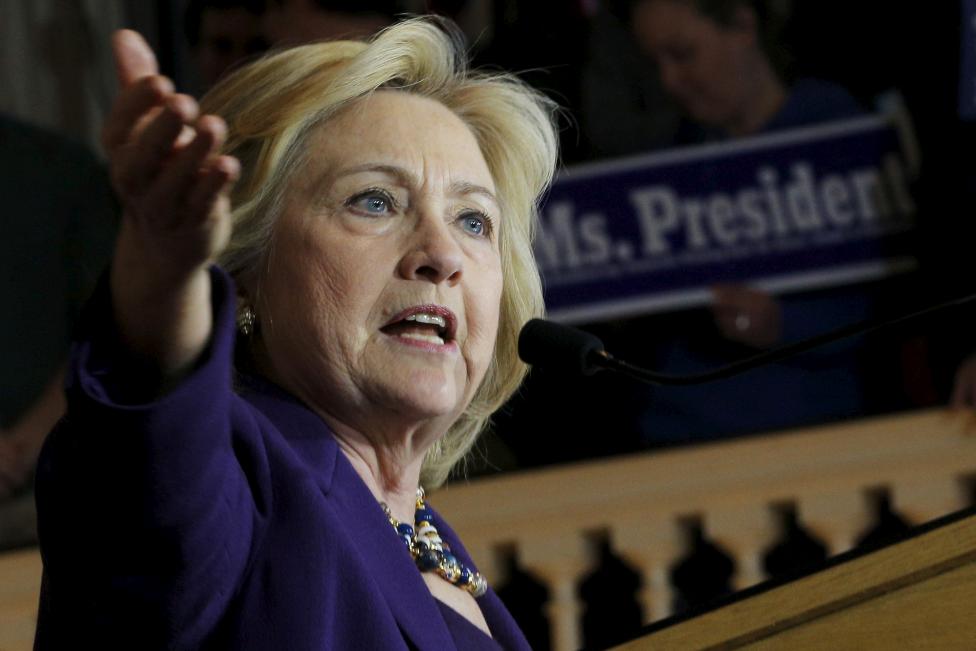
x=558 y=347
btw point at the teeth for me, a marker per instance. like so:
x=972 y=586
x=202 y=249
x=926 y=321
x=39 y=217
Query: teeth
x=432 y=339
x=429 y=319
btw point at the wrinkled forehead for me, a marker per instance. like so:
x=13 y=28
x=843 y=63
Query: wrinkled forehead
x=401 y=129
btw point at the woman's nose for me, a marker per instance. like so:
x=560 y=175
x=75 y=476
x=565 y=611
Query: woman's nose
x=434 y=253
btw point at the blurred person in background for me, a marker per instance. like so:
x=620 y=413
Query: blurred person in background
x=222 y=34
x=725 y=65
x=60 y=222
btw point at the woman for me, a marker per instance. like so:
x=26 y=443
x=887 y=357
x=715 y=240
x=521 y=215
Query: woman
x=373 y=205
x=722 y=62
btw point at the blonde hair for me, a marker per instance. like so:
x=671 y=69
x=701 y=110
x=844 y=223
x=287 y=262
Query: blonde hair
x=272 y=105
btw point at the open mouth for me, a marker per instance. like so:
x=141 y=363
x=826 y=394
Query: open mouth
x=428 y=324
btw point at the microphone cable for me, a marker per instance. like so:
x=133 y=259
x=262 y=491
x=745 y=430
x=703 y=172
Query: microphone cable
x=545 y=343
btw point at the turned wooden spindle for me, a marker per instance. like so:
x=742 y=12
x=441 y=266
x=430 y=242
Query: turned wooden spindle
x=925 y=498
x=652 y=546
x=745 y=532
x=559 y=560
x=836 y=517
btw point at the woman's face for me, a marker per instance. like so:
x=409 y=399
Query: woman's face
x=380 y=298
x=706 y=67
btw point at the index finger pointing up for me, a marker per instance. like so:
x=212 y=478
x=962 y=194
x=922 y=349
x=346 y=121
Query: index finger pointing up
x=134 y=59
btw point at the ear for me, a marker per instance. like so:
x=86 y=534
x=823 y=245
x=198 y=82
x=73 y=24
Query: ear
x=246 y=288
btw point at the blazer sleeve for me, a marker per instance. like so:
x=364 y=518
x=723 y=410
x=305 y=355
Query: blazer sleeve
x=148 y=512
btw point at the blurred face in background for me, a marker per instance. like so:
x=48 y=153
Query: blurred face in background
x=228 y=37
x=709 y=68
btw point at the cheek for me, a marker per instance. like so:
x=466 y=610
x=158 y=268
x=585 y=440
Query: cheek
x=728 y=71
x=484 y=310
x=341 y=292
x=310 y=292
x=319 y=298
x=710 y=75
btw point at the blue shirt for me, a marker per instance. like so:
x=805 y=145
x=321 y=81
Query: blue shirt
x=812 y=101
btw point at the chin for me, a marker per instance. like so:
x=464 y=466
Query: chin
x=430 y=397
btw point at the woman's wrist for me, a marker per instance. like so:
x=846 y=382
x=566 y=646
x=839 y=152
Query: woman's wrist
x=162 y=314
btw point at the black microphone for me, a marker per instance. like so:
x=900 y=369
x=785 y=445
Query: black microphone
x=559 y=347
x=562 y=347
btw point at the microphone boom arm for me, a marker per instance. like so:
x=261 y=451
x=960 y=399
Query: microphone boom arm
x=600 y=359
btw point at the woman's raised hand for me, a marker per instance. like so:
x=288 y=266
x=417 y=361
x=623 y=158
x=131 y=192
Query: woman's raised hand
x=174 y=188
x=164 y=163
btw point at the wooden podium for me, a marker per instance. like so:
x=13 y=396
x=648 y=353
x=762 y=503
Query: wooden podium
x=918 y=593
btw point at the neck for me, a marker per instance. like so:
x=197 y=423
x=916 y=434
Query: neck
x=764 y=100
x=391 y=472
x=385 y=451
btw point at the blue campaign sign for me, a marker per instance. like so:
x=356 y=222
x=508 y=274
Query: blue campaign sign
x=798 y=209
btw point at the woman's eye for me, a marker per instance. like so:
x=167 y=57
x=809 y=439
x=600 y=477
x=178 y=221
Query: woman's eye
x=476 y=223
x=373 y=202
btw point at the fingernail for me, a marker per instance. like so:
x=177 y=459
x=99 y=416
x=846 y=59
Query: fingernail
x=213 y=125
x=164 y=85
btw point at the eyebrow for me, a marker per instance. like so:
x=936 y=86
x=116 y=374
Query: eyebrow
x=409 y=178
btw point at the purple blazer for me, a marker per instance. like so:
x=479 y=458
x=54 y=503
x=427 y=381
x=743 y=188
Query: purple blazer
x=220 y=519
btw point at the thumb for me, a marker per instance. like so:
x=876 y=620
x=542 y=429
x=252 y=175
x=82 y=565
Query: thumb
x=134 y=59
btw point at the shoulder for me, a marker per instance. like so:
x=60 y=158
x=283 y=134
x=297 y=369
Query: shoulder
x=812 y=101
x=827 y=95
x=297 y=442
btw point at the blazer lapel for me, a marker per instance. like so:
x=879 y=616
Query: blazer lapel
x=503 y=628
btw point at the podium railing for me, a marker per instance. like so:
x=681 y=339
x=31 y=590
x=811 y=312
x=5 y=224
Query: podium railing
x=916 y=593
x=20 y=582
x=925 y=462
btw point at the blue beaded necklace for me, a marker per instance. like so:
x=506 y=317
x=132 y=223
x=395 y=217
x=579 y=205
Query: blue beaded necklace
x=430 y=553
